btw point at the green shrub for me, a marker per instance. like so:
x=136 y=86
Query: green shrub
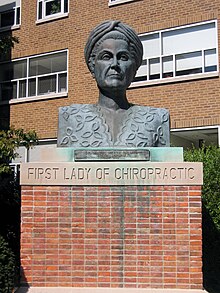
x=7 y=267
x=210 y=156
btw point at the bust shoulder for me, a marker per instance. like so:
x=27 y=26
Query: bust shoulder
x=83 y=125
x=150 y=112
x=145 y=127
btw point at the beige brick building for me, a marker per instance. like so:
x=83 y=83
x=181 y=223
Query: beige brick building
x=180 y=69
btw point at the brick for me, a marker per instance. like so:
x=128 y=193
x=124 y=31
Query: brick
x=103 y=252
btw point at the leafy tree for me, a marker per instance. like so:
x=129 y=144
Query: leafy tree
x=10 y=140
x=6 y=43
x=210 y=156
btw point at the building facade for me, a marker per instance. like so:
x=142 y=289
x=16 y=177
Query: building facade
x=46 y=69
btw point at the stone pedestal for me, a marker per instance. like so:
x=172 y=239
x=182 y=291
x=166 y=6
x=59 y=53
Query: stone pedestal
x=111 y=236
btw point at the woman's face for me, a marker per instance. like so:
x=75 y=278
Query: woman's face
x=114 y=66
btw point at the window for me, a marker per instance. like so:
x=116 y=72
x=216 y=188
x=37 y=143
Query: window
x=196 y=136
x=180 y=52
x=34 y=76
x=25 y=155
x=115 y=2
x=10 y=14
x=49 y=9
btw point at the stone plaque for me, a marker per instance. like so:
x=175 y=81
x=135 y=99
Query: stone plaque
x=111 y=173
x=112 y=155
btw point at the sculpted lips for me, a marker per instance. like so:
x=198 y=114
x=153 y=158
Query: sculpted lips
x=116 y=75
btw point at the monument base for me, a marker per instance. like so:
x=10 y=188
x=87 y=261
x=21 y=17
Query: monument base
x=111 y=237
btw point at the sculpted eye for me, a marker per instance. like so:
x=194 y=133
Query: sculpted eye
x=106 y=56
x=124 y=57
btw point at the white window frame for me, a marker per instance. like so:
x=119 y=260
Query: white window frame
x=16 y=25
x=50 y=17
x=54 y=94
x=117 y=2
x=175 y=78
x=198 y=128
x=34 y=154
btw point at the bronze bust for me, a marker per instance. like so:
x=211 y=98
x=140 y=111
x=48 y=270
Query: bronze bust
x=113 y=54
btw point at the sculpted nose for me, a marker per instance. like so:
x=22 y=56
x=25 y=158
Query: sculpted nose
x=114 y=63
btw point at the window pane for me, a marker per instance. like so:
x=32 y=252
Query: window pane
x=167 y=66
x=32 y=87
x=11 y=2
x=14 y=88
x=18 y=15
x=13 y=70
x=65 y=6
x=189 y=39
x=154 y=68
x=19 y=69
x=62 y=83
x=140 y=78
x=53 y=7
x=210 y=60
x=40 y=10
x=22 y=88
x=151 y=45
x=142 y=70
x=190 y=63
x=48 y=64
x=46 y=85
x=7 y=18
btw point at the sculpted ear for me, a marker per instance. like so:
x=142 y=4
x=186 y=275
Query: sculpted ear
x=91 y=65
x=135 y=69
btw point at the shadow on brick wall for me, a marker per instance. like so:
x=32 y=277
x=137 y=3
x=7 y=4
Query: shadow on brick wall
x=4 y=117
x=24 y=286
x=6 y=87
x=211 y=254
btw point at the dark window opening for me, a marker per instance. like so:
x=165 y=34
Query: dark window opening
x=167 y=74
x=53 y=7
x=65 y=6
x=140 y=78
x=7 y=18
x=154 y=76
x=189 y=71
x=8 y=91
x=40 y=10
x=18 y=16
x=210 y=68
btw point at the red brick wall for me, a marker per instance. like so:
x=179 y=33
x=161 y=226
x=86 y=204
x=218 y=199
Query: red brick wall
x=191 y=103
x=134 y=236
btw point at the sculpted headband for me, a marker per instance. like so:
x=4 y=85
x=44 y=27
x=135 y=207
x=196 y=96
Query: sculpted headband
x=113 y=25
